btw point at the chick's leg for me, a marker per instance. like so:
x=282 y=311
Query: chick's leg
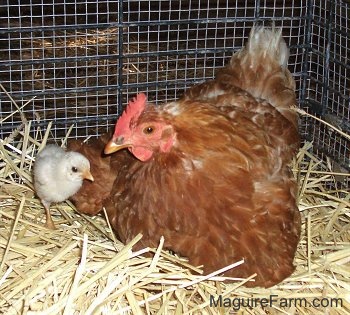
x=49 y=222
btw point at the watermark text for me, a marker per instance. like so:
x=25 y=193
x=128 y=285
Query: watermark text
x=238 y=303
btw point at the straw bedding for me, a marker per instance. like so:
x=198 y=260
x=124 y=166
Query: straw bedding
x=81 y=268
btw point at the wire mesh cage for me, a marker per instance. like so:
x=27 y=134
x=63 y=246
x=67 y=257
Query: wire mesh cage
x=78 y=62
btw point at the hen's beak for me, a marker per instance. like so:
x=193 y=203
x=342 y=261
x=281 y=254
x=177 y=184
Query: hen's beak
x=112 y=146
x=87 y=175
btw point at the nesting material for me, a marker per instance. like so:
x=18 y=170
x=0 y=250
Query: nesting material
x=81 y=268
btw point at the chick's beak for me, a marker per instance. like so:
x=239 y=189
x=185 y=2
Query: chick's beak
x=115 y=145
x=87 y=175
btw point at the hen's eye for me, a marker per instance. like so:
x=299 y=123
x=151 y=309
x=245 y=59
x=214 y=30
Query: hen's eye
x=74 y=169
x=148 y=130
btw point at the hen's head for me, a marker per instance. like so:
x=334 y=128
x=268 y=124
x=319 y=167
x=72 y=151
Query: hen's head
x=142 y=130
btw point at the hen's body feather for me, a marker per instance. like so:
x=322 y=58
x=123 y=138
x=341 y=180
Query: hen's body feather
x=224 y=190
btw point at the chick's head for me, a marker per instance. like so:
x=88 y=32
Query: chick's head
x=76 y=167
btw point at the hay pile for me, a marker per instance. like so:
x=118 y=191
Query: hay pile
x=82 y=269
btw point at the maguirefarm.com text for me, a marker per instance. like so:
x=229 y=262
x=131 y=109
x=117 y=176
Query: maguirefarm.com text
x=238 y=303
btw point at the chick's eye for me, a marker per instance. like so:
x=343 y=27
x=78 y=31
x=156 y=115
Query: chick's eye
x=74 y=169
x=148 y=130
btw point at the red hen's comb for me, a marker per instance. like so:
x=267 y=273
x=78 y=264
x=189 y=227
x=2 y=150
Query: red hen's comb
x=134 y=109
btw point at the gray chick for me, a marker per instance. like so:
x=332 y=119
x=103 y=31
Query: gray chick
x=58 y=175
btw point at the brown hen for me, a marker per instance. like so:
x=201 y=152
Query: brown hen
x=211 y=172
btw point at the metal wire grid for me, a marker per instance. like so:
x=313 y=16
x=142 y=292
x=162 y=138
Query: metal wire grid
x=194 y=38
x=82 y=60
x=61 y=53
x=327 y=90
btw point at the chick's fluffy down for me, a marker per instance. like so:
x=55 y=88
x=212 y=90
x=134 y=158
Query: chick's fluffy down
x=58 y=174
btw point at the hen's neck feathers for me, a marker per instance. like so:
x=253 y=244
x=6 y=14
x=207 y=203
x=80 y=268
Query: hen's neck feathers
x=202 y=131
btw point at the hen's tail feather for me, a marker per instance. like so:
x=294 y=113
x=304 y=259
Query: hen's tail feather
x=260 y=68
x=268 y=42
